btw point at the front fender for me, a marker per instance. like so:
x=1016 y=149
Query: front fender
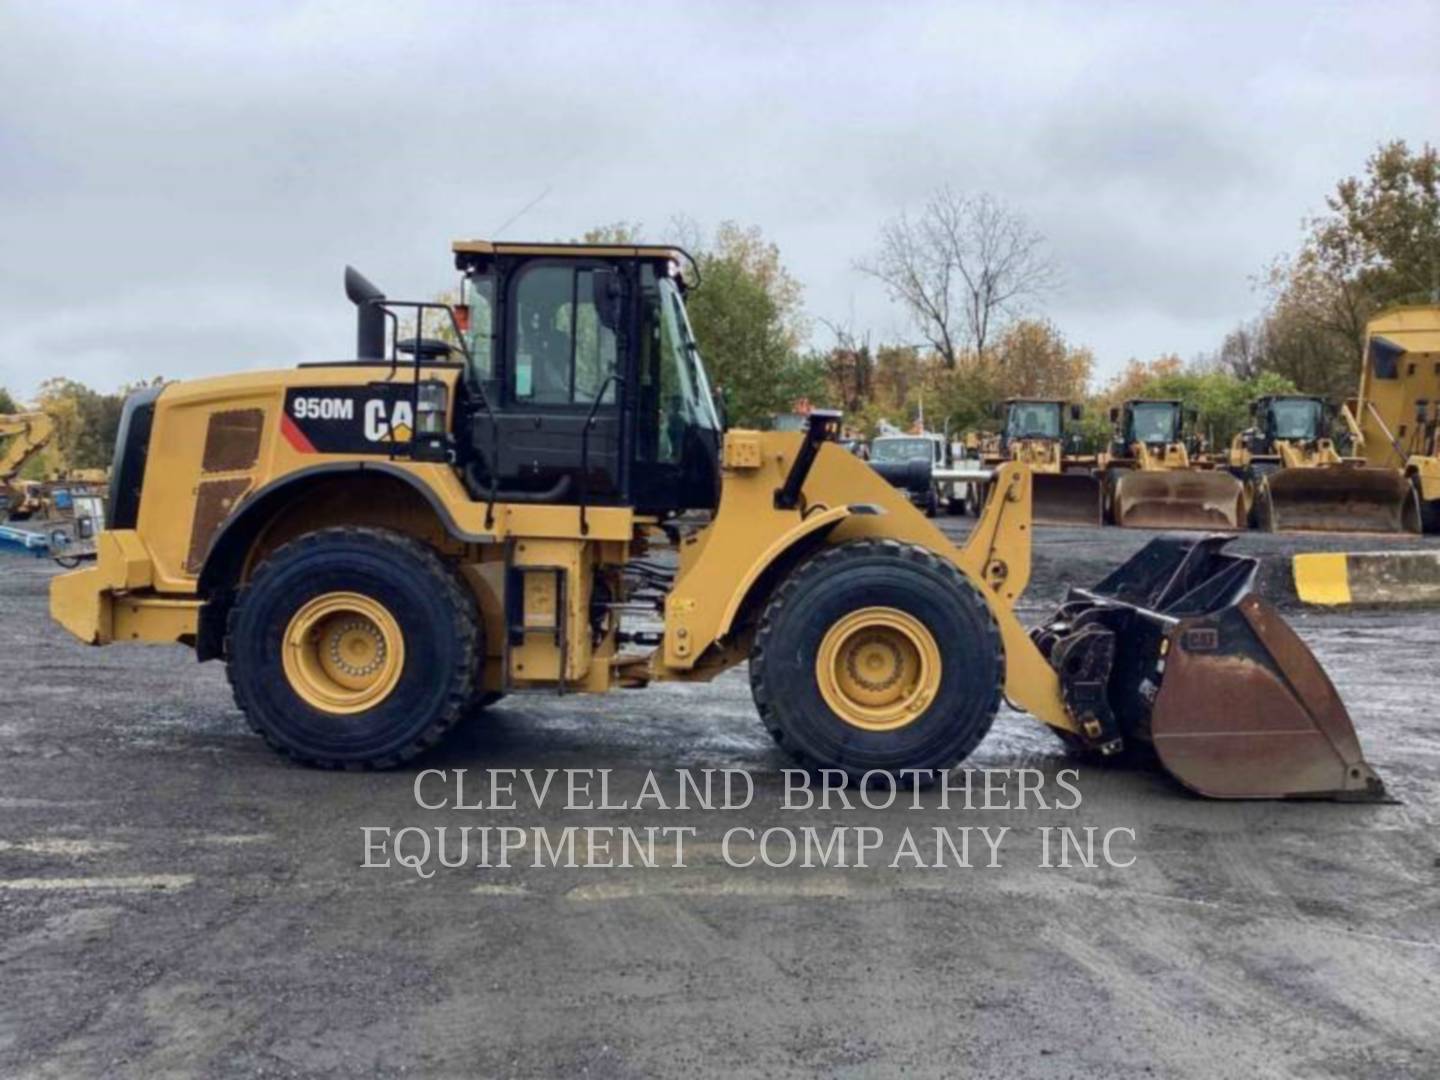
x=816 y=526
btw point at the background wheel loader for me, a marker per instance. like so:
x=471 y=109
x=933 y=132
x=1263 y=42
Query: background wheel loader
x=1295 y=478
x=1395 y=417
x=547 y=503
x=28 y=434
x=1066 y=489
x=1153 y=481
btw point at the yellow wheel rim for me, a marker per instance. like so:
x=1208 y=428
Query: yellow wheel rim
x=878 y=668
x=343 y=653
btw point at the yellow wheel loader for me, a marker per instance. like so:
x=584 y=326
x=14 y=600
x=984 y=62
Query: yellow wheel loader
x=1395 y=418
x=1295 y=479
x=1152 y=481
x=1066 y=489
x=28 y=434
x=545 y=502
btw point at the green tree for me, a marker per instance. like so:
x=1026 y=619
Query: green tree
x=86 y=424
x=7 y=403
x=748 y=321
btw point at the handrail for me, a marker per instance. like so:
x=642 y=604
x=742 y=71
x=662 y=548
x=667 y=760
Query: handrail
x=420 y=307
x=618 y=380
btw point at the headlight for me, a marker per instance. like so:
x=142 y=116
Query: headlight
x=430 y=403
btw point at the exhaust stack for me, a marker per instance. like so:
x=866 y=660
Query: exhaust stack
x=369 y=315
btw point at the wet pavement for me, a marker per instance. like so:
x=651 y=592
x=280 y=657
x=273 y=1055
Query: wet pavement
x=175 y=900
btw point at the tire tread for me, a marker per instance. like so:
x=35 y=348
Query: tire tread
x=462 y=692
x=828 y=561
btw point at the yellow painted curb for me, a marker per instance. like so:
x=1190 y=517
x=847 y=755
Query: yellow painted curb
x=1368 y=577
x=1322 y=577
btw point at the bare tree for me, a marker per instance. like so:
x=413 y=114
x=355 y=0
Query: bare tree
x=1242 y=353
x=960 y=266
x=850 y=366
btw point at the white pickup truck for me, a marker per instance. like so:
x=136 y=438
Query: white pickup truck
x=925 y=468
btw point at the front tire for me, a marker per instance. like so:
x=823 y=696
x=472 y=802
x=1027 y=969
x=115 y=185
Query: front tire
x=354 y=648
x=1426 y=512
x=877 y=655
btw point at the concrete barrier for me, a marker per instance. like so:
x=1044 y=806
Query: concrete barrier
x=1368 y=577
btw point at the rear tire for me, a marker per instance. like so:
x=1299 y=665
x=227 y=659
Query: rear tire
x=921 y=591
x=390 y=594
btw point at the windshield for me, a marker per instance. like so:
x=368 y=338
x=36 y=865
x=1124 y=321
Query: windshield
x=1156 y=422
x=685 y=397
x=1033 y=420
x=883 y=450
x=1297 y=418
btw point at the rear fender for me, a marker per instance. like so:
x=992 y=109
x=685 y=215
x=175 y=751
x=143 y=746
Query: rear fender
x=251 y=528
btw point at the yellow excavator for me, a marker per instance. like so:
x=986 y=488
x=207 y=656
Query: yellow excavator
x=1296 y=479
x=1395 y=417
x=28 y=433
x=1067 y=492
x=1154 y=481
x=546 y=502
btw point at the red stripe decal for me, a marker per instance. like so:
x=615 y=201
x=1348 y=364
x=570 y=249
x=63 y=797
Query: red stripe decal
x=294 y=436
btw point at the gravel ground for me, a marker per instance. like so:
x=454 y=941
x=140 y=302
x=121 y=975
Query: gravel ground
x=174 y=900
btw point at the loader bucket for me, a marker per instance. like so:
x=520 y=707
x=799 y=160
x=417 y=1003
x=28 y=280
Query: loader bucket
x=1179 y=499
x=1175 y=652
x=1340 y=498
x=1066 y=499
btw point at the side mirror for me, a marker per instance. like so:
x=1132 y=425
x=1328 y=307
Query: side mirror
x=1190 y=417
x=607 y=293
x=1115 y=415
x=1076 y=412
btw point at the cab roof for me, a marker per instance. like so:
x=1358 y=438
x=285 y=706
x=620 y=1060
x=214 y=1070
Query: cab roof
x=668 y=259
x=626 y=251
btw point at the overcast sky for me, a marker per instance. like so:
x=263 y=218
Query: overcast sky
x=180 y=187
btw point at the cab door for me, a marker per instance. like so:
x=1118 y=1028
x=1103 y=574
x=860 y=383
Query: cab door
x=561 y=348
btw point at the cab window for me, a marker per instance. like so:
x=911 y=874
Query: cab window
x=478 y=297
x=563 y=355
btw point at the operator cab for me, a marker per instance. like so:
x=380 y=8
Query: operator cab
x=1033 y=419
x=1292 y=419
x=583 y=381
x=1154 y=423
